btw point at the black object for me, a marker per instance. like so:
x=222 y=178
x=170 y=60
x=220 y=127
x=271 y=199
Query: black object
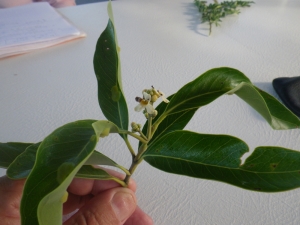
x=81 y=2
x=288 y=89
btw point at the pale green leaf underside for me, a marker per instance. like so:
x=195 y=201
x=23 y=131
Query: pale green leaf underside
x=49 y=210
x=90 y=172
x=217 y=157
x=104 y=127
x=98 y=158
x=97 y=173
x=277 y=115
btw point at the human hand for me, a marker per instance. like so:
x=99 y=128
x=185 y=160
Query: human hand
x=99 y=202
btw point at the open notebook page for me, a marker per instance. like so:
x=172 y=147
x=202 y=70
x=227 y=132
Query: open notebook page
x=33 y=26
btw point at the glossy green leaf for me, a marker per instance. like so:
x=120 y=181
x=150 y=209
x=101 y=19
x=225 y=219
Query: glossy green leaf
x=59 y=157
x=10 y=151
x=24 y=163
x=172 y=122
x=21 y=167
x=205 y=89
x=217 y=157
x=107 y=69
x=217 y=82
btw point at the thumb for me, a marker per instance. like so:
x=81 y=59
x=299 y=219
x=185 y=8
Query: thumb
x=111 y=207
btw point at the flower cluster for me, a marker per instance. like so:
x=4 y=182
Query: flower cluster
x=136 y=127
x=146 y=103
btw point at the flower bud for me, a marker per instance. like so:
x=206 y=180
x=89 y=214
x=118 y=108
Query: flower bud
x=154 y=98
x=134 y=127
x=154 y=113
x=146 y=115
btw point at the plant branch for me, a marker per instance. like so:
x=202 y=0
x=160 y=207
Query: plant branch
x=137 y=159
x=149 y=128
x=141 y=139
x=130 y=147
x=214 y=12
x=142 y=135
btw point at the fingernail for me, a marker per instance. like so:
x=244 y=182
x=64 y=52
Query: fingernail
x=123 y=205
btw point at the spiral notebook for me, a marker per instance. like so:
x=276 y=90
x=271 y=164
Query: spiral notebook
x=33 y=26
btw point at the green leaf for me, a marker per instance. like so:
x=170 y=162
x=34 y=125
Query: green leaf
x=290 y=120
x=206 y=88
x=217 y=82
x=103 y=128
x=172 y=122
x=9 y=151
x=98 y=158
x=59 y=157
x=108 y=72
x=21 y=167
x=277 y=115
x=217 y=157
x=90 y=172
x=24 y=163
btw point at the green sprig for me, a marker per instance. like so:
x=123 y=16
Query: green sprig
x=213 y=12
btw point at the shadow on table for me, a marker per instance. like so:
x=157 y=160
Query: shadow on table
x=194 y=19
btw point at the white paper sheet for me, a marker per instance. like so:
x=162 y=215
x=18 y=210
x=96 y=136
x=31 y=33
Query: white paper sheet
x=32 y=26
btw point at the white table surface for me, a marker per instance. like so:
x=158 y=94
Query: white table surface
x=163 y=44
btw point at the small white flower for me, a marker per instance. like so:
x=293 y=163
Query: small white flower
x=160 y=94
x=146 y=96
x=144 y=103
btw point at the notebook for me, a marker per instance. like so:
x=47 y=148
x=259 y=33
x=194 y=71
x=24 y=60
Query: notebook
x=33 y=26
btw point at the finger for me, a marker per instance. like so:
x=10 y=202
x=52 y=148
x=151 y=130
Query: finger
x=8 y=184
x=82 y=190
x=75 y=202
x=139 y=217
x=11 y=193
x=111 y=207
